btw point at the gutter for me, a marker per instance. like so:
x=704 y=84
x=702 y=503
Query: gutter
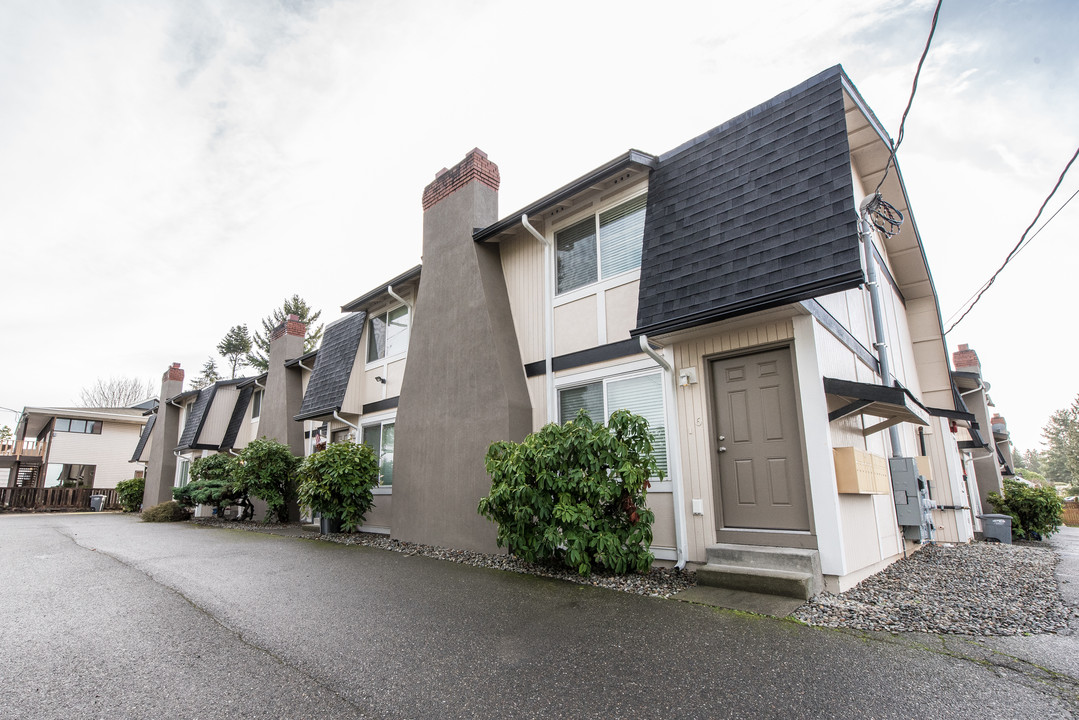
x=674 y=458
x=548 y=317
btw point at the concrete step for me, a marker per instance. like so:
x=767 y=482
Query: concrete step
x=787 y=583
x=776 y=558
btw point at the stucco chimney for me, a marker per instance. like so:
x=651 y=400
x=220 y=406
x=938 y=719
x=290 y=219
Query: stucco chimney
x=464 y=363
x=966 y=360
x=161 y=470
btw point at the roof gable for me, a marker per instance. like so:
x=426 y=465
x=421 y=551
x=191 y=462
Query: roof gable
x=755 y=213
x=196 y=417
x=144 y=437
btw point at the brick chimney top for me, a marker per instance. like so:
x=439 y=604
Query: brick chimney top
x=173 y=373
x=475 y=166
x=998 y=419
x=292 y=326
x=966 y=359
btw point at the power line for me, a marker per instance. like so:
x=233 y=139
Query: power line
x=913 y=89
x=1022 y=241
x=1021 y=249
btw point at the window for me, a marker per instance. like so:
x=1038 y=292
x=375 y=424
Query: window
x=387 y=334
x=256 y=404
x=182 y=469
x=380 y=439
x=640 y=394
x=582 y=259
x=89 y=427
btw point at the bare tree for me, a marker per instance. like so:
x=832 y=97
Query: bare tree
x=116 y=392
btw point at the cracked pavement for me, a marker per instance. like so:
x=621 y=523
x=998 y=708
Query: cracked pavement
x=109 y=617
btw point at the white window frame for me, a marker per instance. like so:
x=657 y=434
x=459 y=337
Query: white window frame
x=373 y=364
x=626 y=371
x=599 y=285
x=261 y=396
x=381 y=421
x=183 y=472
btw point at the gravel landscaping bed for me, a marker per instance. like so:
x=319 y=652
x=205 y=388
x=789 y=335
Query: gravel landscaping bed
x=658 y=582
x=978 y=589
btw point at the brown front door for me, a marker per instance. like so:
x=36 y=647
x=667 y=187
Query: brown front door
x=758 y=441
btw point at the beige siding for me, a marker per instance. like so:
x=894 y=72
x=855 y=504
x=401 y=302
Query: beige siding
x=361 y=382
x=621 y=310
x=575 y=326
x=218 y=416
x=522 y=264
x=110 y=451
x=662 y=504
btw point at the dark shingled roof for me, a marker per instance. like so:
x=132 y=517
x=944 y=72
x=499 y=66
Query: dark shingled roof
x=239 y=412
x=329 y=378
x=196 y=417
x=144 y=438
x=755 y=213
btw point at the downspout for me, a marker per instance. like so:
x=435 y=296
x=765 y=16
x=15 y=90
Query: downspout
x=398 y=298
x=304 y=367
x=865 y=231
x=674 y=456
x=337 y=416
x=548 y=319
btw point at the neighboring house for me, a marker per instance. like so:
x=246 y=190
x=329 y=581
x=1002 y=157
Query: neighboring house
x=72 y=447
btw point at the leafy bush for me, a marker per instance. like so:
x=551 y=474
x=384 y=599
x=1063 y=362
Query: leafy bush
x=267 y=470
x=169 y=511
x=575 y=494
x=1035 y=511
x=129 y=492
x=337 y=482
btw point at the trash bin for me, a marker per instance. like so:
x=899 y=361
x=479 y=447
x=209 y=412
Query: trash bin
x=997 y=527
x=329 y=525
x=97 y=503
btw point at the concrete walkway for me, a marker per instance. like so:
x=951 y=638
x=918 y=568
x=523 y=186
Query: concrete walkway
x=109 y=617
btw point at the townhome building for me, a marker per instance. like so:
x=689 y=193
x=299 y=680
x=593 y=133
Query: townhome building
x=760 y=294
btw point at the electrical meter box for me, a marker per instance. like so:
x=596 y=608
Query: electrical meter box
x=913 y=508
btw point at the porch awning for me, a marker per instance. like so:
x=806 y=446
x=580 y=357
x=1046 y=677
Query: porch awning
x=893 y=404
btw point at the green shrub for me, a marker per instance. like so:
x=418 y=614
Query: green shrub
x=575 y=494
x=169 y=511
x=267 y=470
x=337 y=482
x=129 y=493
x=1035 y=512
x=212 y=483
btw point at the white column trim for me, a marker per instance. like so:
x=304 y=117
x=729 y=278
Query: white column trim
x=818 y=445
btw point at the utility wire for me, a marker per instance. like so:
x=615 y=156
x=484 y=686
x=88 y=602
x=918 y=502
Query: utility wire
x=1018 y=245
x=1021 y=249
x=913 y=89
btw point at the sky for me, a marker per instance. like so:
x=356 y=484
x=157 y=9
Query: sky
x=170 y=169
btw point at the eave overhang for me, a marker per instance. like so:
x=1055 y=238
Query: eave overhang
x=631 y=159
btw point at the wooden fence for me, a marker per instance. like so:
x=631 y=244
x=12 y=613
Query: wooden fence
x=1071 y=514
x=55 y=498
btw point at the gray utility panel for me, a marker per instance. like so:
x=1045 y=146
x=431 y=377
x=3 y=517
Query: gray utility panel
x=913 y=508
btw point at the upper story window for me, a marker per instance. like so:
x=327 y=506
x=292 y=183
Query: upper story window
x=603 y=245
x=256 y=404
x=387 y=334
x=90 y=427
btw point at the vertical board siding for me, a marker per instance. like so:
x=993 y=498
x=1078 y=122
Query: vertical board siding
x=522 y=265
x=218 y=416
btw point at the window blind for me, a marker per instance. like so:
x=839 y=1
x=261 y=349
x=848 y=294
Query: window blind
x=589 y=397
x=643 y=396
x=576 y=250
x=621 y=236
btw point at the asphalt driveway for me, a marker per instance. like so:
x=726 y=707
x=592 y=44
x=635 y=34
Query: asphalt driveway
x=107 y=617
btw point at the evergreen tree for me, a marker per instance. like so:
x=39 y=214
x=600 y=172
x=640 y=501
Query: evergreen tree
x=208 y=377
x=235 y=347
x=259 y=357
x=1061 y=433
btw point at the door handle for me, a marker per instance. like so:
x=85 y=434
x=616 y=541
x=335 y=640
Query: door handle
x=722 y=449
